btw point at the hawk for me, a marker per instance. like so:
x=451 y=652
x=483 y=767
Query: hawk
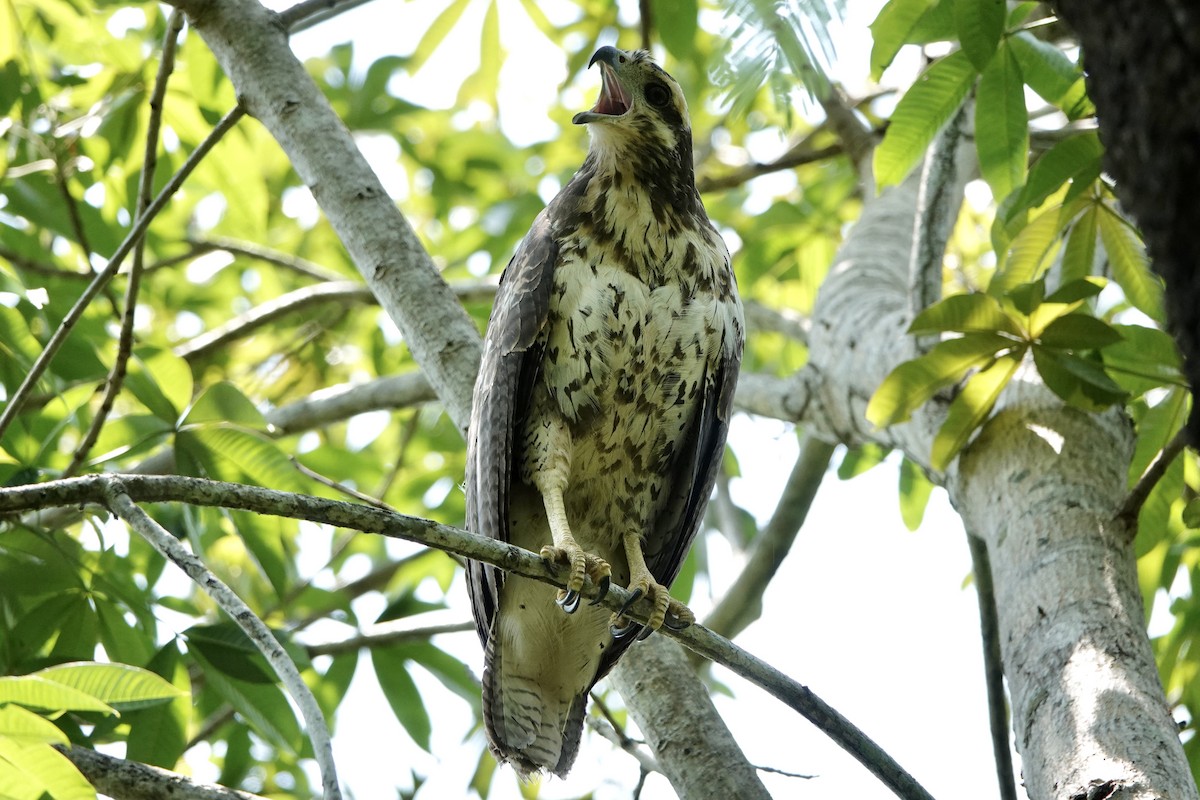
x=600 y=412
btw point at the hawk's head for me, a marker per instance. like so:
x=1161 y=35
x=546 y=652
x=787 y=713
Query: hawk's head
x=640 y=105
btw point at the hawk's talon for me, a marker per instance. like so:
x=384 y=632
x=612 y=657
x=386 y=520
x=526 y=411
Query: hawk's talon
x=624 y=630
x=602 y=590
x=568 y=600
x=581 y=565
x=634 y=596
x=676 y=623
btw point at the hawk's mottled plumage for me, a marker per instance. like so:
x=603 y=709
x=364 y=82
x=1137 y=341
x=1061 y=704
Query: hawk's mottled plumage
x=601 y=410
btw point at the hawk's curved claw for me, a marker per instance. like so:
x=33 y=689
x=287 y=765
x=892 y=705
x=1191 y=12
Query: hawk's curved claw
x=601 y=590
x=621 y=632
x=676 y=623
x=568 y=600
x=634 y=596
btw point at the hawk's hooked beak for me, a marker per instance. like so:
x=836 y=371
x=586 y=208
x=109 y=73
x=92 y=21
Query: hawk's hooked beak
x=614 y=98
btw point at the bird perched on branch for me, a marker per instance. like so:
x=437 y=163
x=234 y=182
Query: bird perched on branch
x=600 y=412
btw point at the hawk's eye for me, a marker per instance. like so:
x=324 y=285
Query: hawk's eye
x=657 y=95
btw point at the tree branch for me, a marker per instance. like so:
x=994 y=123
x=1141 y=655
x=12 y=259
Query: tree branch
x=109 y=489
x=131 y=780
x=120 y=503
x=384 y=635
x=1150 y=478
x=993 y=667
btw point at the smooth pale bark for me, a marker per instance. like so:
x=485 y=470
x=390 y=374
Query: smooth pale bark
x=1042 y=485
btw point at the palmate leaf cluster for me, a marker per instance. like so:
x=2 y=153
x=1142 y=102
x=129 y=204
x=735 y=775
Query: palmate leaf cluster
x=242 y=234
x=1048 y=278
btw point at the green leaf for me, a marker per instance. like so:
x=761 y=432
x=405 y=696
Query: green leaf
x=1028 y=257
x=915 y=489
x=890 y=31
x=1079 y=332
x=159 y=735
x=913 y=383
x=980 y=24
x=482 y=84
x=1079 y=257
x=119 y=685
x=1191 y=513
x=229 y=649
x=925 y=108
x=860 y=459
x=42 y=769
x=971 y=312
x=42 y=694
x=161 y=380
x=391 y=669
x=1130 y=266
x=436 y=33
x=450 y=672
x=1144 y=359
x=1046 y=69
x=675 y=21
x=224 y=403
x=263 y=705
x=24 y=725
x=1073 y=158
x=970 y=409
x=1157 y=426
x=1001 y=122
x=234 y=454
x=1075 y=379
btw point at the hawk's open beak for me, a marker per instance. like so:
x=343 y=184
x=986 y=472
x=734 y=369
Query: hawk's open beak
x=614 y=98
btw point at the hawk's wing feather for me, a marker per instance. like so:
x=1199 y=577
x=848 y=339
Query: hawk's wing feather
x=511 y=356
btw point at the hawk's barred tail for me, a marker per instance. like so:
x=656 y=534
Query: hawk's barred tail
x=527 y=729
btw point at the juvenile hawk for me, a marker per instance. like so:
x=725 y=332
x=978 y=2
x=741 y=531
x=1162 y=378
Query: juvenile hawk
x=600 y=412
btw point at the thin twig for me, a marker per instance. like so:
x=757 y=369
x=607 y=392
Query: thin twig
x=362 y=497
x=300 y=266
x=18 y=398
x=122 y=490
x=116 y=375
x=384 y=636
x=242 y=325
x=121 y=504
x=993 y=666
x=646 y=22
x=1150 y=478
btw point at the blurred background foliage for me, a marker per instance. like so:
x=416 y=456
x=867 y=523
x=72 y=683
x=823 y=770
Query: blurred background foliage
x=244 y=233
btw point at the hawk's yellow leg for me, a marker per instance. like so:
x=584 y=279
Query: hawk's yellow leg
x=565 y=549
x=642 y=584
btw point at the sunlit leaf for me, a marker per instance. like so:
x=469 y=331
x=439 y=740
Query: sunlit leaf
x=40 y=766
x=1074 y=158
x=23 y=725
x=915 y=490
x=1001 y=122
x=118 y=685
x=1077 y=380
x=1079 y=332
x=979 y=23
x=860 y=459
x=963 y=313
x=42 y=694
x=1130 y=266
x=391 y=669
x=1144 y=359
x=224 y=402
x=891 y=29
x=925 y=108
x=913 y=383
x=970 y=409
